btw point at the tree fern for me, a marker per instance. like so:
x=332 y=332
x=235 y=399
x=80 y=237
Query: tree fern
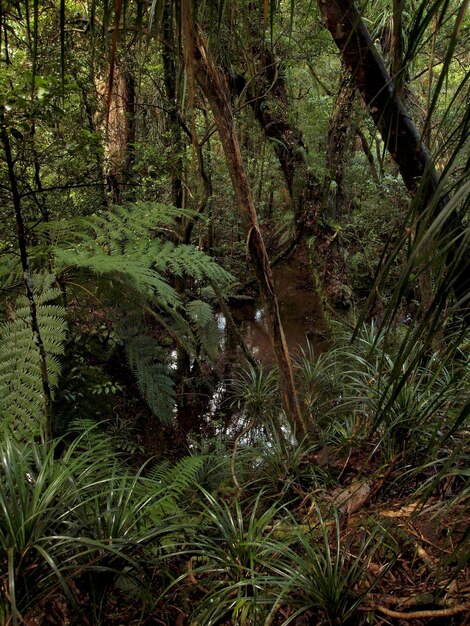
x=21 y=393
x=126 y=256
x=125 y=270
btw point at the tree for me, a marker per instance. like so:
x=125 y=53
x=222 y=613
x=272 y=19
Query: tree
x=399 y=133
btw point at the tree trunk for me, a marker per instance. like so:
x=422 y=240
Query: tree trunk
x=174 y=130
x=397 y=45
x=216 y=90
x=339 y=140
x=398 y=130
x=268 y=97
x=369 y=156
x=118 y=127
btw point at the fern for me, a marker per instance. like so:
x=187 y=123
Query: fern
x=205 y=326
x=182 y=477
x=126 y=247
x=125 y=270
x=21 y=394
x=147 y=362
x=184 y=259
x=122 y=245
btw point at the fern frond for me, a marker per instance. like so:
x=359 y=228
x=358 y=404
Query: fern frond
x=179 y=477
x=205 y=326
x=134 y=221
x=121 y=268
x=122 y=243
x=125 y=246
x=147 y=362
x=60 y=232
x=185 y=259
x=21 y=394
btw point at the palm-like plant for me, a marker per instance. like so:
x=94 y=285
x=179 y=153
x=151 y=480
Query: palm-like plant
x=234 y=554
x=63 y=518
x=282 y=470
x=255 y=391
x=325 y=574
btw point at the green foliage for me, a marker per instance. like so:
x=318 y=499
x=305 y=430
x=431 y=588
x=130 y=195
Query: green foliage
x=233 y=554
x=121 y=256
x=122 y=245
x=317 y=383
x=329 y=576
x=183 y=477
x=203 y=320
x=256 y=391
x=147 y=363
x=281 y=470
x=74 y=521
x=21 y=393
x=62 y=518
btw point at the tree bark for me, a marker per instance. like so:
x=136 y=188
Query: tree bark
x=369 y=156
x=397 y=44
x=268 y=98
x=216 y=90
x=174 y=131
x=120 y=129
x=339 y=140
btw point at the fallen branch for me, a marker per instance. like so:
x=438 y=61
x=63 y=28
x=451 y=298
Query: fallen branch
x=419 y=599
x=433 y=613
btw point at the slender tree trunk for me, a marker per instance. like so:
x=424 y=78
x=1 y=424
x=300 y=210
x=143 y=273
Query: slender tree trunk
x=90 y=110
x=398 y=131
x=397 y=45
x=206 y=184
x=28 y=283
x=215 y=88
x=119 y=128
x=369 y=156
x=174 y=130
x=435 y=31
x=268 y=97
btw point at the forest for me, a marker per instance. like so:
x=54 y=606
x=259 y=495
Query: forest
x=235 y=303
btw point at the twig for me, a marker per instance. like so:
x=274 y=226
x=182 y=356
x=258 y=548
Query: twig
x=193 y=579
x=234 y=453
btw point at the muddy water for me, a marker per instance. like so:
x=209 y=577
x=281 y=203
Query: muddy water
x=300 y=308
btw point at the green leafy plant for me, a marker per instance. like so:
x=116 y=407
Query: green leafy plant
x=280 y=469
x=325 y=574
x=232 y=557
x=62 y=518
x=21 y=393
x=255 y=390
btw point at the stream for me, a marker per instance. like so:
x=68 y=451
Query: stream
x=300 y=308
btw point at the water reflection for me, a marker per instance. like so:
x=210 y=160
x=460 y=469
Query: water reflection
x=300 y=309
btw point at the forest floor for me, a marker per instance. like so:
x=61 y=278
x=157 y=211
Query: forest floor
x=426 y=583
